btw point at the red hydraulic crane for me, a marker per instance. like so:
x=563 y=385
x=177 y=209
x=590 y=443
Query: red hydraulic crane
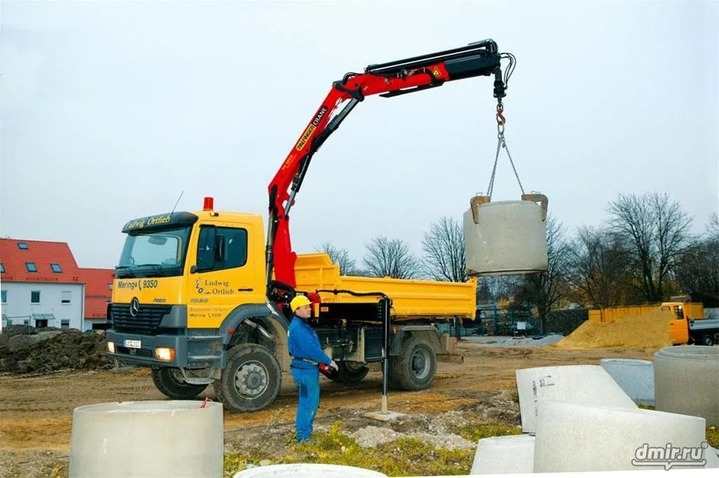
x=387 y=80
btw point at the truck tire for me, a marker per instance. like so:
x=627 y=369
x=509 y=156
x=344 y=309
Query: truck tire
x=707 y=339
x=171 y=383
x=351 y=372
x=252 y=379
x=415 y=366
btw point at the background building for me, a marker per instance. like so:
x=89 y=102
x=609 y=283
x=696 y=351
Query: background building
x=42 y=286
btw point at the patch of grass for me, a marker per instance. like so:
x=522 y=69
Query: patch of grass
x=413 y=457
x=235 y=462
x=474 y=432
x=402 y=457
x=713 y=436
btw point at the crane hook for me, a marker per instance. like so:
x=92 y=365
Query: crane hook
x=500 y=117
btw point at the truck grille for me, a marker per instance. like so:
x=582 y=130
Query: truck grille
x=148 y=317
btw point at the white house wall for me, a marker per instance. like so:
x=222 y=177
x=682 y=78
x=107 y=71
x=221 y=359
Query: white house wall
x=19 y=310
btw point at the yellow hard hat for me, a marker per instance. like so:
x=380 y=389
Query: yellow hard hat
x=299 y=301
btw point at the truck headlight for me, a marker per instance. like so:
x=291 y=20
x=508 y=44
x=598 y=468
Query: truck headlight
x=111 y=347
x=165 y=354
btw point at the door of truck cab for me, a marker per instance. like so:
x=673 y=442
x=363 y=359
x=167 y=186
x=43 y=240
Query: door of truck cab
x=224 y=272
x=678 y=327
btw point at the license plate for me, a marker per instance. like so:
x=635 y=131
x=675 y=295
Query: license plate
x=133 y=344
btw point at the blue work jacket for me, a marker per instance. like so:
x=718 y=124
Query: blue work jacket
x=304 y=345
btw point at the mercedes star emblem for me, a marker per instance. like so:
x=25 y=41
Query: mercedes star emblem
x=134 y=307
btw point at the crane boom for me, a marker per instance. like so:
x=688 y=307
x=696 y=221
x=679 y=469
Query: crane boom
x=387 y=80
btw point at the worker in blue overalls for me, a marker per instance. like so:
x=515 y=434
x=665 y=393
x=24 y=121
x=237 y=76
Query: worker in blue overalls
x=307 y=354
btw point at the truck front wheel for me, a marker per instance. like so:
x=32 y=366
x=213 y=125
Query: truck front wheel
x=415 y=367
x=171 y=383
x=252 y=379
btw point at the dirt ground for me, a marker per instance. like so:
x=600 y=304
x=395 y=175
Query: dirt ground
x=36 y=410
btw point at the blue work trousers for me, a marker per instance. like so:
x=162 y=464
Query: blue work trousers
x=308 y=384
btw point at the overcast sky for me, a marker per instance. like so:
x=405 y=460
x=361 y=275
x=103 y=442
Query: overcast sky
x=112 y=110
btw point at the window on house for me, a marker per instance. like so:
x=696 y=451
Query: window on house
x=4 y=296
x=22 y=245
x=66 y=295
x=31 y=267
x=56 y=268
x=2 y=267
x=35 y=297
x=64 y=324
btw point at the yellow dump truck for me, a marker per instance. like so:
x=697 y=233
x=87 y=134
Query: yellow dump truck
x=202 y=297
x=188 y=300
x=686 y=321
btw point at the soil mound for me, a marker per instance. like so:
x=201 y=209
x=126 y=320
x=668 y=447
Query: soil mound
x=24 y=349
x=627 y=332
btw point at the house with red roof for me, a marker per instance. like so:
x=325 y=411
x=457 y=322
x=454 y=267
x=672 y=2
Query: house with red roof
x=43 y=286
x=98 y=287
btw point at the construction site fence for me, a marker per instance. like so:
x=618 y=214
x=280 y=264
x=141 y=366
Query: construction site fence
x=522 y=323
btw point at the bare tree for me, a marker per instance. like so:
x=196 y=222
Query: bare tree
x=340 y=257
x=545 y=289
x=713 y=227
x=656 y=230
x=390 y=258
x=443 y=248
x=599 y=274
x=697 y=270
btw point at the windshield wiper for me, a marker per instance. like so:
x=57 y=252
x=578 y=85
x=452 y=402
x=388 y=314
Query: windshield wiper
x=147 y=270
x=124 y=271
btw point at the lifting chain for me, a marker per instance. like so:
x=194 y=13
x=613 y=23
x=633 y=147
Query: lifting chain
x=501 y=144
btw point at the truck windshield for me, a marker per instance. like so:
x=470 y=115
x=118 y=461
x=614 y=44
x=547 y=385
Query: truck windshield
x=156 y=253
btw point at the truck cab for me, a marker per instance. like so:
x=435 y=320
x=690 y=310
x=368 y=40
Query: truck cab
x=202 y=259
x=688 y=324
x=188 y=287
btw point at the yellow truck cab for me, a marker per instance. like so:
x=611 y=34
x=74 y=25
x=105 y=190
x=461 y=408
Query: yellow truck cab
x=688 y=324
x=158 y=257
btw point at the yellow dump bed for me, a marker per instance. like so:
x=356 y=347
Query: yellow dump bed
x=410 y=298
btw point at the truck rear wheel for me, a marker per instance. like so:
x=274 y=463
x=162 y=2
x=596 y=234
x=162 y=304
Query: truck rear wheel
x=707 y=339
x=171 y=383
x=252 y=379
x=415 y=367
x=351 y=372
